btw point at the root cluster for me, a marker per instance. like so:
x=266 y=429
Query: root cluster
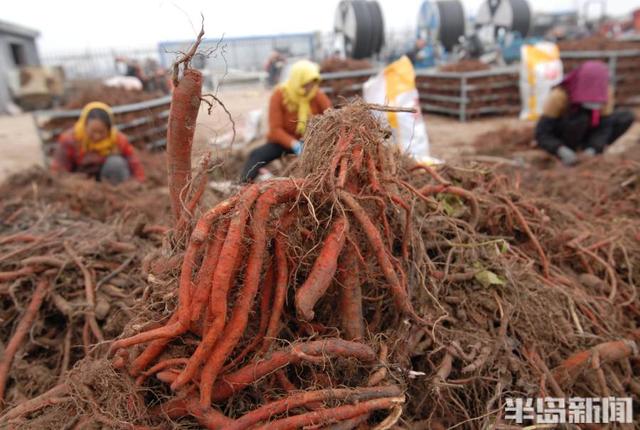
x=70 y=257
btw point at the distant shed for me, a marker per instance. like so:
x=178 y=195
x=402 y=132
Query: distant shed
x=17 y=48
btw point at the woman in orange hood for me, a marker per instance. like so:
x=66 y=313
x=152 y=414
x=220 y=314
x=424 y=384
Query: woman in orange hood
x=292 y=104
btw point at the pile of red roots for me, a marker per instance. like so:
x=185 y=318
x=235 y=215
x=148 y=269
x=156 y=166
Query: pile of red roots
x=365 y=292
x=464 y=66
x=285 y=250
x=70 y=257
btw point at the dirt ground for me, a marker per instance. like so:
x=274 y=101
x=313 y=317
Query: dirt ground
x=19 y=142
x=448 y=137
x=215 y=130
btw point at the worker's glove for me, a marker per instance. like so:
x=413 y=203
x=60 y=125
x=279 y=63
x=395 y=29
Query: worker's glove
x=567 y=156
x=589 y=152
x=297 y=146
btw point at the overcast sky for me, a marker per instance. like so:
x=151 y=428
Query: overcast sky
x=70 y=25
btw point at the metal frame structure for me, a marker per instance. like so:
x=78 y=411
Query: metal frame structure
x=47 y=136
x=460 y=82
x=246 y=53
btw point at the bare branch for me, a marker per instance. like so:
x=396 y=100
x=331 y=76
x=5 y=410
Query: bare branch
x=218 y=101
x=186 y=58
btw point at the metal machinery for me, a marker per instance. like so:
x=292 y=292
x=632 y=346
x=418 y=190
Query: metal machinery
x=496 y=16
x=441 y=24
x=592 y=13
x=503 y=25
x=498 y=29
x=358 y=28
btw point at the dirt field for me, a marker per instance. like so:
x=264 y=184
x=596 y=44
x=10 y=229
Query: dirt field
x=20 y=146
x=447 y=136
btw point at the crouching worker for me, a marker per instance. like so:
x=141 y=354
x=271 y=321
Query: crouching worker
x=96 y=148
x=291 y=105
x=579 y=116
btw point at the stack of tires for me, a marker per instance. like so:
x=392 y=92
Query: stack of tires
x=360 y=25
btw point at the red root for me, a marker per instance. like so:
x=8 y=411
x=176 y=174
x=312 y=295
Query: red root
x=185 y=104
x=398 y=290
x=320 y=351
x=240 y=314
x=350 y=295
x=460 y=192
x=269 y=410
x=570 y=368
x=332 y=415
x=22 y=330
x=323 y=270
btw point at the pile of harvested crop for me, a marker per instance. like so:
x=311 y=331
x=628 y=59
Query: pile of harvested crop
x=366 y=290
x=464 y=66
x=524 y=302
x=70 y=256
x=331 y=65
x=341 y=88
x=113 y=96
x=604 y=188
x=597 y=43
x=506 y=140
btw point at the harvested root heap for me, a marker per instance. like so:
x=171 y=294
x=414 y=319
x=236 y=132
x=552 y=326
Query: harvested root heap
x=505 y=141
x=540 y=300
x=364 y=292
x=70 y=252
x=113 y=96
x=603 y=187
x=340 y=232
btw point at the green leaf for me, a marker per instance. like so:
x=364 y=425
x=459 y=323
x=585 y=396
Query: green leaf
x=446 y=206
x=504 y=246
x=488 y=278
x=452 y=205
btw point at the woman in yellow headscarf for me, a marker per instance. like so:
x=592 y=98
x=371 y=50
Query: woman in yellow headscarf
x=292 y=104
x=95 y=147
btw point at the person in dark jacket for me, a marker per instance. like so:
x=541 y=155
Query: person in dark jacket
x=579 y=116
x=291 y=105
x=416 y=53
x=274 y=67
